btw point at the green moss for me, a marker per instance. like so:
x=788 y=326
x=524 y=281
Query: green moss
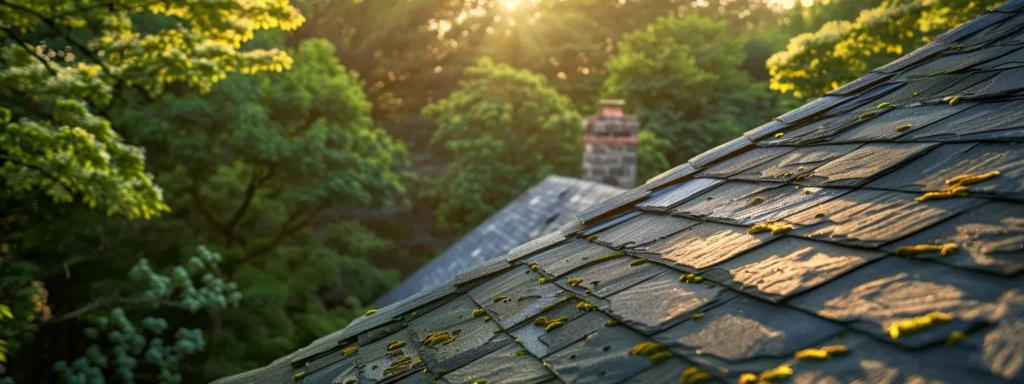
x=585 y=306
x=533 y=266
x=882 y=105
x=640 y=261
x=299 y=375
x=553 y=325
x=522 y=352
x=350 y=350
x=370 y=312
x=955 y=337
x=574 y=282
x=479 y=312
x=611 y=323
x=395 y=345
x=661 y=356
x=591 y=238
x=500 y=298
x=903 y=127
x=648 y=348
x=543 y=280
x=697 y=316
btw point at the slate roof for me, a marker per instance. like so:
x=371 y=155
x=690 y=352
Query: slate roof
x=673 y=281
x=541 y=209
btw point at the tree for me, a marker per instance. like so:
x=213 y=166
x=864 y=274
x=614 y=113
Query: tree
x=64 y=66
x=505 y=129
x=270 y=170
x=683 y=78
x=841 y=51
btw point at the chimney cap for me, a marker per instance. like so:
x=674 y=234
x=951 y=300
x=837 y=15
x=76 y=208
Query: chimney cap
x=612 y=103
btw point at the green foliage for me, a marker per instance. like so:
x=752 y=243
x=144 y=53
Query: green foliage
x=841 y=50
x=683 y=79
x=650 y=155
x=268 y=169
x=505 y=130
x=128 y=350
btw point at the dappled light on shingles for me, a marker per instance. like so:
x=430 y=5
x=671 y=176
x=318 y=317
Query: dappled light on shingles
x=782 y=275
x=990 y=244
x=1003 y=350
x=896 y=297
x=733 y=337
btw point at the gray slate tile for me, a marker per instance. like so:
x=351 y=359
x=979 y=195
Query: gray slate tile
x=604 y=357
x=743 y=162
x=502 y=366
x=745 y=335
x=898 y=122
x=788 y=167
x=990 y=238
x=930 y=172
x=986 y=121
x=872 y=298
x=570 y=256
x=788 y=266
x=864 y=163
x=642 y=230
x=707 y=244
x=663 y=301
x=744 y=204
x=870 y=218
x=667 y=198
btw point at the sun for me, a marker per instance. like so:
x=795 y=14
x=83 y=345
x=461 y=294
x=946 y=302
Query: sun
x=511 y=4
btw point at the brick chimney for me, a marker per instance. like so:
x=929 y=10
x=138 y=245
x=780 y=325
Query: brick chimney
x=609 y=140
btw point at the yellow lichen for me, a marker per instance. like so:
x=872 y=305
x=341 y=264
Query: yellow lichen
x=437 y=338
x=522 y=352
x=637 y=262
x=776 y=228
x=418 y=363
x=298 y=375
x=585 y=306
x=350 y=350
x=747 y=378
x=574 y=282
x=691 y=278
x=395 y=345
x=350 y=381
x=836 y=350
x=811 y=354
x=487 y=318
x=969 y=179
x=954 y=100
x=540 y=321
x=955 y=337
x=778 y=135
x=481 y=381
x=909 y=326
x=882 y=105
x=694 y=375
x=533 y=266
x=756 y=201
x=479 y=312
x=903 y=127
x=697 y=316
x=943 y=249
x=553 y=325
x=866 y=115
x=591 y=238
x=401 y=361
x=825 y=352
x=948 y=193
x=500 y=298
x=661 y=356
x=456 y=331
x=370 y=312
x=542 y=280
x=646 y=349
x=611 y=323
x=779 y=373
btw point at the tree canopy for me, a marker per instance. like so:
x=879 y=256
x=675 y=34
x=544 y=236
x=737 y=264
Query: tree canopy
x=842 y=50
x=683 y=78
x=505 y=130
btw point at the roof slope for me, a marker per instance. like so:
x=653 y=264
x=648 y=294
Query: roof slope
x=541 y=209
x=698 y=294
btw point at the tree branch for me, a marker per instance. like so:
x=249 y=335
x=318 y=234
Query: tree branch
x=290 y=226
x=197 y=199
x=255 y=182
